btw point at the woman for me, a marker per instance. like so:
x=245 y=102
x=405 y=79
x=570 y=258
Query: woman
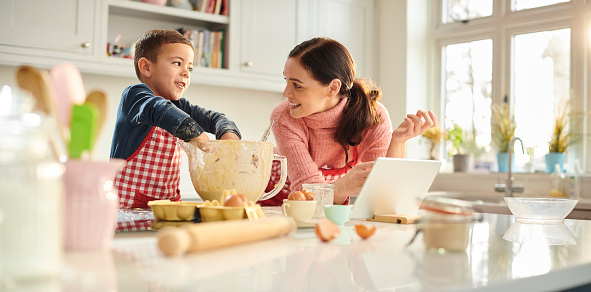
x=332 y=127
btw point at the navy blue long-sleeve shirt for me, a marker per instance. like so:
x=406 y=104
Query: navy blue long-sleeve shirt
x=140 y=109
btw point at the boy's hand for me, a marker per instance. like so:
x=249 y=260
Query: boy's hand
x=201 y=142
x=202 y=137
x=229 y=136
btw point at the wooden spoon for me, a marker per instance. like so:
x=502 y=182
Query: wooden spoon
x=99 y=99
x=38 y=83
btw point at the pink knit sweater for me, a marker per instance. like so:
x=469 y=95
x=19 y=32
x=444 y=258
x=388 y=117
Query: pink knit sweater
x=308 y=142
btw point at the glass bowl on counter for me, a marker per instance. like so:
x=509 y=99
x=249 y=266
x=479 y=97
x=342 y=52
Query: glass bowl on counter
x=540 y=210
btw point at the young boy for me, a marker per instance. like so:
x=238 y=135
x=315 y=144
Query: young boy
x=153 y=116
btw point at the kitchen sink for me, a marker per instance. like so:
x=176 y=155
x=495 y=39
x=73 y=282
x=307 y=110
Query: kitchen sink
x=484 y=202
x=491 y=202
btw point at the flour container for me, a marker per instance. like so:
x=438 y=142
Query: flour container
x=31 y=192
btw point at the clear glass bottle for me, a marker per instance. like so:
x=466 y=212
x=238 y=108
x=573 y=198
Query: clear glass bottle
x=31 y=192
x=557 y=189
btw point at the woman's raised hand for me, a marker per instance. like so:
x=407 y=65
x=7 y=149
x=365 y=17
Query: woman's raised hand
x=414 y=125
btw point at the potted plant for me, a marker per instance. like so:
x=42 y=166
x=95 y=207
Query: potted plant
x=561 y=138
x=461 y=160
x=433 y=135
x=503 y=127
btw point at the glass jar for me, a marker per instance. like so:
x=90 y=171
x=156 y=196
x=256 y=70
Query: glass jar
x=446 y=224
x=31 y=192
x=324 y=195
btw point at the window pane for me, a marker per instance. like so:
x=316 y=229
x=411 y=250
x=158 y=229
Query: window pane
x=527 y=4
x=462 y=10
x=542 y=79
x=467 y=89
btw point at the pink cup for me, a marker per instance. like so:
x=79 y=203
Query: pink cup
x=91 y=204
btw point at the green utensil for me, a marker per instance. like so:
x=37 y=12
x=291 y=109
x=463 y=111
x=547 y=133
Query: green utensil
x=83 y=129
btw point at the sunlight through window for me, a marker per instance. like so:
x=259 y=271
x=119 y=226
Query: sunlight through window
x=468 y=75
x=528 y=4
x=464 y=10
x=542 y=78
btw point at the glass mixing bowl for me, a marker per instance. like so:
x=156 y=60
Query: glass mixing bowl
x=540 y=210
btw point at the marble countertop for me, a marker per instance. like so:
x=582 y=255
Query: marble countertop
x=301 y=262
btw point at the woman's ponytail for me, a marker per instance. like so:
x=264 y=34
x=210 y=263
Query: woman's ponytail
x=359 y=114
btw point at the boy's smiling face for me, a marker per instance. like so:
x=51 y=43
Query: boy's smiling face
x=170 y=75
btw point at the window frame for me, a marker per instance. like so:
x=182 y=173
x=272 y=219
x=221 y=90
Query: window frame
x=501 y=27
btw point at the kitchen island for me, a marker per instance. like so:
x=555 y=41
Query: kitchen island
x=301 y=262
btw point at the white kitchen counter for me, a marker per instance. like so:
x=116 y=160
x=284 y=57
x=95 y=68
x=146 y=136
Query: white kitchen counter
x=300 y=262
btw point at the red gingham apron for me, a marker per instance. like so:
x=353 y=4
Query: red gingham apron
x=329 y=175
x=152 y=172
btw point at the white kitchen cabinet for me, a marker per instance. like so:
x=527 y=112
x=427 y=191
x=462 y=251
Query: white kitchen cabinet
x=267 y=35
x=352 y=23
x=64 y=28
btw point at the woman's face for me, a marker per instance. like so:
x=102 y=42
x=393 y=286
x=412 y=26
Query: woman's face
x=305 y=94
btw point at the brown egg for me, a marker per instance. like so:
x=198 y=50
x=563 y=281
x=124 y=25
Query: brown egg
x=233 y=201
x=326 y=230
x=365 y=232
x=310 y=196
x=243 y=197
x=296 y=196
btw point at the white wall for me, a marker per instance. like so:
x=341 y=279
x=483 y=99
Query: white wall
x=403 y=64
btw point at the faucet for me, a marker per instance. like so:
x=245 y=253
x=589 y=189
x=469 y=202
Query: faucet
x=508 y=188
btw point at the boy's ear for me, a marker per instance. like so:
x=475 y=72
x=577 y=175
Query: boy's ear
x=145 y=67
x=334 y=87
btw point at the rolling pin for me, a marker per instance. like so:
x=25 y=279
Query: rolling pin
x=174 y=241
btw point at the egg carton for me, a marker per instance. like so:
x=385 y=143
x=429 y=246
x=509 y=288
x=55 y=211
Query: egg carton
x=208 y=211
x=213 y=211
x=173 y=211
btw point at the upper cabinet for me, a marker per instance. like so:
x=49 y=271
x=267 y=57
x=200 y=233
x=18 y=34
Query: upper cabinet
x=267 y=35
x=64 y=28
x=352 y=23
x=254 y=37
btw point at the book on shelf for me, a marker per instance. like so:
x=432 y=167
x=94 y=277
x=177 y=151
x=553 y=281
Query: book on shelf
x=203 y=5
x=224 y=45
x=211 y=48
x=199 y=48
x=225 y=7
x=214 y=49
x=212 y=6
x=218 y=7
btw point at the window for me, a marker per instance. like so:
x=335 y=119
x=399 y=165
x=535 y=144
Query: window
x=468 y=74
x=464 y=10
x=518 y=56
x=528 y=4
x=541 y=83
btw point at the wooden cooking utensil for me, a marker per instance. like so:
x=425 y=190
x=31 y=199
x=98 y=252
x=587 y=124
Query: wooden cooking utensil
x=174 y=241
x=38 y=83
x=99 y=99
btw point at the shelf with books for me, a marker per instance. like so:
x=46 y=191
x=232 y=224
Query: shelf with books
x=165 y=13
x=127 y=20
